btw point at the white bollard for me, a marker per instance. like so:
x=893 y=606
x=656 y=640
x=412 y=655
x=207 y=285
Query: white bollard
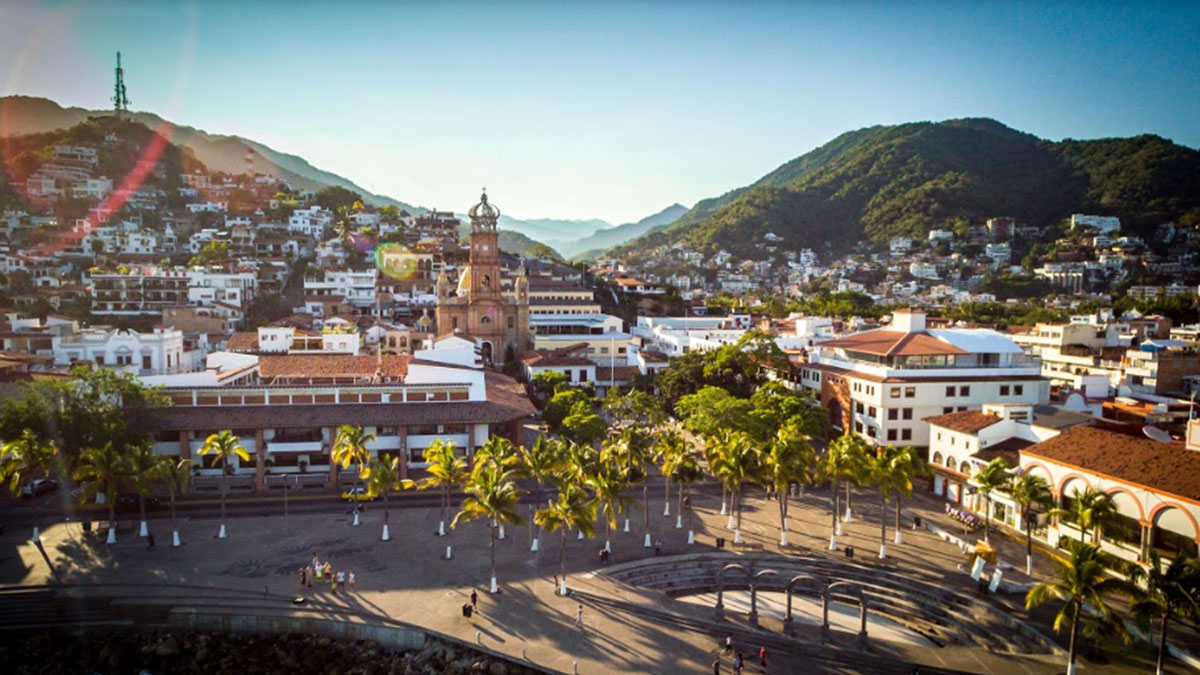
x=144 y=530
x=386 y=535
x=849 y=516
x=355 y=523
x=783 y=540
x=221 y=534
x=896 y=539
x=562 y=588
x=112 y=535
x=737 y=536
x=679 y=521
x=441 y=528
x=646 y=542
x=691 y=537
x=626 y=525
x=175 y=539
x=882 y=551
x=838 y=530
x=833 y=542
x=501 y=534
x=449 y=556
x=534 y=546
x=666 y=509
x=36 y=535
x=495 y=589
x=724 y=509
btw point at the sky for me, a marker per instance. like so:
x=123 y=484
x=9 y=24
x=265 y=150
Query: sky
x=605 y=110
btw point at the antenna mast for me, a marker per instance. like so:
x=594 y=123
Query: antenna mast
x=120 y=102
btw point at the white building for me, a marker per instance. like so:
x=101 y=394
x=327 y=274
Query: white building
x=157 y=353
x=311 y=221
x=881 y=383
x=207 y=207
x=356 y=287
x=1103 y=224
x=209 y=286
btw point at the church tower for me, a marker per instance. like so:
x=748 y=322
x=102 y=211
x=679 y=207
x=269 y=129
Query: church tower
x=479 y=310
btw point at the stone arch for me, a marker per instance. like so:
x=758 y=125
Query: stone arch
x=1158 y=510
x=1046 y=473
x=1161 y=534
x=1062 y=484
x=964 y=468
x=951 y=462
x=937 y=458
x=486 y=351
x=1141 y=511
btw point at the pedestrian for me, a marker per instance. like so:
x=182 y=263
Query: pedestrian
x=352 y=584
x=149 y=539
x=341 y=580
x=308 y=575
x=737 y=663
x=320 y=571
x=474 y=600
x=579 y=616
x=303 y=578
x=729 y=643
x=316 y=563
x=328 y=570
x=717 y=666
x=658 y=547
x=762 y=657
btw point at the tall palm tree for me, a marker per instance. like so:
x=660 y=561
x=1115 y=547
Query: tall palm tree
x=142 y=461
x=684 y=469
x=885 y=473
x=608 y=481
x=99 y=471
x=224 y=447
x=906 y=467
x=383 y=477
x=539 y=462
x=1170 y=592
x=1083 y=579
x=669 y=444
x=502 y=451
x=569 y=510
x=633 y=448
x=858 y=466
x=446 y=471
x=176 y=473
x=992 y=477
x=22 y=460
x=1030 y=492
x=711 y=450
x=491 y=494
x=350 y=447
x=843 y=462
x=1092 y=510
x=789 y=458
x=737 y=464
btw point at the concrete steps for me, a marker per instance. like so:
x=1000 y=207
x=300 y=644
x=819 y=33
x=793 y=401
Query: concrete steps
x=21 y=609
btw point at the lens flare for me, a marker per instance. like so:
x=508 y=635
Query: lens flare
x=396 y=261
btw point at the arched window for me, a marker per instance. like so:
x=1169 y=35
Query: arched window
x=951 y=462
x=964 y=467
x=485 y=320
x=937 y=458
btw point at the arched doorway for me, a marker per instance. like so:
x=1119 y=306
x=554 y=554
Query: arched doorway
x=1174 y=532
x=835 y=416
x=485 y=350
x=510 y=354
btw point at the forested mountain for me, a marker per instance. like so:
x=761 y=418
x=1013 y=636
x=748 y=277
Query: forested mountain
x=884 y=181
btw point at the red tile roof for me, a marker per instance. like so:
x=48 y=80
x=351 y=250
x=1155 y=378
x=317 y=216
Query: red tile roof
x=965 y=421
x=1163 y=467
x=894 y=343
x=243 y=341
x=321 y=366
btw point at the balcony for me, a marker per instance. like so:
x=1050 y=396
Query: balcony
x=295 y=446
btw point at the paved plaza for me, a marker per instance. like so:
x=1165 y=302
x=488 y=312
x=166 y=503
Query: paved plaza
x=407 y=580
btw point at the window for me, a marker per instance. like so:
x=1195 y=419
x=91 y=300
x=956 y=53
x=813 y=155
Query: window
x=1018 y=389
x=964 y=391
x=871 y=411
x=146 y=362
x=858 y=427
x=962 y=408
x=939 y=437
x=891 y=434
x=1004 y=390
x=910 y=392
x=99 y=359
x=906 y=434
x=950 y=391
x=454 y=323
x=937 y=458
x=907 y=413
x=510 y=322
x=895 y=392
x=948 y=410
x=892 y=413
x=858 y=408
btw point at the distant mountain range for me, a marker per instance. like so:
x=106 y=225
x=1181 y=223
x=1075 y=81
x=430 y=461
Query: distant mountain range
x=883 y=181
x=28 y=114
x=578 y=238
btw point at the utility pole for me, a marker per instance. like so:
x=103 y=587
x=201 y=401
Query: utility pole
x=120 y=102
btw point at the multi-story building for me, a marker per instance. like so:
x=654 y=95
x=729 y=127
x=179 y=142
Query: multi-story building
x=210 y=285
x=311 y=221
x=140 y=290
x=881 y=383
x=355 y=287
x=1159 y=367
x=158 y=353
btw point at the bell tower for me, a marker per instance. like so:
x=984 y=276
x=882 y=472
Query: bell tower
x=485 y=249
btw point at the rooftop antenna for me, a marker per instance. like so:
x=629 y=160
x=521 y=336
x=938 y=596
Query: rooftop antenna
x=120 y=102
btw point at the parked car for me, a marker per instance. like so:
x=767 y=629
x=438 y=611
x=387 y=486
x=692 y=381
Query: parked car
x=128 y=503
x=358 y=494
x=38 y=487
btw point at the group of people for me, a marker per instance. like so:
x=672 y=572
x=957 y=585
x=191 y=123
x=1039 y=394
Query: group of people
x=738 y=661
x=318 y=573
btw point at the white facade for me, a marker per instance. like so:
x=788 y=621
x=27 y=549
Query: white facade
x=356 y=286
x=157 y=353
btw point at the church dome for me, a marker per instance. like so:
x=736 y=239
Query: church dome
x=484 y=213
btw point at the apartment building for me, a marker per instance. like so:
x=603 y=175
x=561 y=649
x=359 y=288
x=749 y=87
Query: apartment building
x=160 y=352
x=355 y=287
x=881 y=383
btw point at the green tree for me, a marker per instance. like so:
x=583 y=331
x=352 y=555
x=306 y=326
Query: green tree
x=991 y=477
x=546 y=383
x=1082 y=580
x=788 y=458
x=668 y=445
x=491 y=494
x=845 y=462
x=712 y=410
x=1030 y=492
x=350 y=447
x=562 y=404
x=337 y=198
x=683 y=468
x=25 y=458
x=382 y=475
x=100 y=469
x=214 y=251
x=142 y=460
x=569 y=510
x=609 y=480
x=176 y=473
x=540 y=462
x=224 y=447
x=1091 y=510
x=446 y=471
x=737 y=463
x=583 y=425
x=1167 y=592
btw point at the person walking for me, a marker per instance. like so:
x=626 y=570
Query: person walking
x=729 y=643
x=352 y=586
x=341 y=580
x=762 y=657
x=717 y=666
x=739 y=662
x=579 y=616
x=303 y=578
x=474 y=600
x=308 y=576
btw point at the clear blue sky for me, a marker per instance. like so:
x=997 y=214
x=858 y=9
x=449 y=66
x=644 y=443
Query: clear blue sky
x=609 y=110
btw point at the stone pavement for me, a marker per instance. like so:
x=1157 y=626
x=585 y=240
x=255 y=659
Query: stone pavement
x=406 y=580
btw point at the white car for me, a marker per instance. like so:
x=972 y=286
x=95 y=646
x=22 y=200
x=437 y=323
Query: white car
x=39 y=486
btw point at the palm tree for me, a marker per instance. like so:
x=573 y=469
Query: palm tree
x=633 y=449
x=608 y=482
x=446 y=471
x=22 y=460
x=350 y=447
x=906 y=466
x=1170 y=592
x=843 y=462
x=491 y=494
x=538 y=462
x=569 y=510
x=1092 y=510
x=737 y=464
x=670 y=444
x=142 y=460
x=885 y=472
x=383 y=477
x=224 y=446
x=684 y=469
x=992 y=477
x=176 y=473
x=788 y=458
x=711 y=449
x=1029 y=492
x=99 y=471
x=502 y=451
x=1083 y=579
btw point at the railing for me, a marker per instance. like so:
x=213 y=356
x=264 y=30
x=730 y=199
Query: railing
x=295 y=446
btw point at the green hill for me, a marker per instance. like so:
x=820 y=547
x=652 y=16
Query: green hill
x=884 y=181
